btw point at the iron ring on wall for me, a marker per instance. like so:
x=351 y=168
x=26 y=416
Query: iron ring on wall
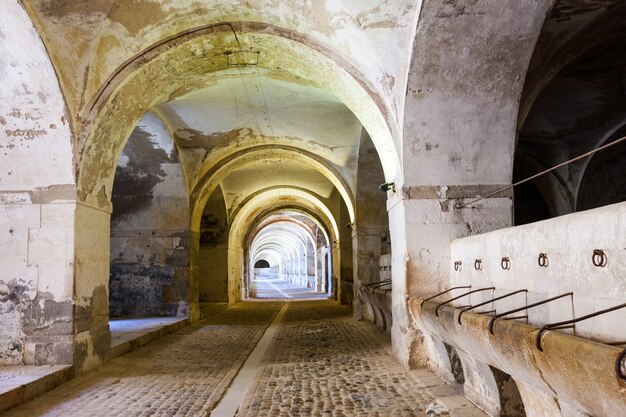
x=505 y=263
x=478 y=264
x=543 y=260
x=599 y=258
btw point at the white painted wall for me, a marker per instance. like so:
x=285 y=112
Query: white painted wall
x=569 y=242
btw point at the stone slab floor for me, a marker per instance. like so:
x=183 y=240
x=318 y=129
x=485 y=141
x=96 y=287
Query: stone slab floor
x=277 y=289
x=318 y=362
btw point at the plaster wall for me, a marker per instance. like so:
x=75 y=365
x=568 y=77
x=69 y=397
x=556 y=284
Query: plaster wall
x=370 y=239
x=36 y=201
x=569 y=242
x=466 y=77
x=36 y=145
x=214 y=275
x=213 y=280
x=149 y=274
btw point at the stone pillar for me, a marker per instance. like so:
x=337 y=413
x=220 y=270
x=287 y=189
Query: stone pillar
x=459 y=132
x=370 y=236
x=92 y=340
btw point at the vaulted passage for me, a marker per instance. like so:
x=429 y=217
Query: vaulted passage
x=289 y=258
x=313 y=207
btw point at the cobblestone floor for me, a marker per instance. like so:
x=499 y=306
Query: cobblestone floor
x=320 y=363
x=324 y=363
x=182 y=374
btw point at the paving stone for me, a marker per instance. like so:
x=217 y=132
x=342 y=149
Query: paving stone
x=320 y=363
x=323 y=363
x=182 y=374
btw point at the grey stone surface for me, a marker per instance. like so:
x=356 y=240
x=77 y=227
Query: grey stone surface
x=321 y=363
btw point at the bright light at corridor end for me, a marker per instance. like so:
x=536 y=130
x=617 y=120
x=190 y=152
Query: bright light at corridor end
x=289 y=256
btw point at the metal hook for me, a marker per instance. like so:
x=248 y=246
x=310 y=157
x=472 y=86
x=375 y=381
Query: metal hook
x=487 y=302
x=568 y=324
x=460 y=296
x=506 y=313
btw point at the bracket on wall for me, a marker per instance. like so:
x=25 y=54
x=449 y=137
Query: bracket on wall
x=444 y=292
x=461 y=296
x=506 y=313
x=570 y=324
x=599 y=258
x=478 y=264
x=468 y=308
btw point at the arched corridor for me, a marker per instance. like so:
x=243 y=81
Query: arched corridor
x=313 y=207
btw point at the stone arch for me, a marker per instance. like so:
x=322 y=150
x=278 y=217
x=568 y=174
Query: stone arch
x=125 y=97
x=213 y=177
x=557 y=46
x=558 y=127
x=308 y=257
x=257 y=208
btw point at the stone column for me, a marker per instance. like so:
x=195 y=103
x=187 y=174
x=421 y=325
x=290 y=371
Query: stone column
x=459 y=128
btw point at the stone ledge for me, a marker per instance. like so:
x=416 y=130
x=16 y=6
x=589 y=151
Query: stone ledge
x=21 y=383
x=133 y=340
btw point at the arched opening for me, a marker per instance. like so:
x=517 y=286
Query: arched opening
x=149 y=226
x=295 y=245
x=578 y=104
x=150 y=241
x=262 y=264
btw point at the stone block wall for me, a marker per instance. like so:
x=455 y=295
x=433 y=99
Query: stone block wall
x=149 y=273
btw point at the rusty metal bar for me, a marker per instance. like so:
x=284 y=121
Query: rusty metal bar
x=380 y=285
x=506 y=313
x=619 y=365
x=569 y=324
x=525 y=316
x=381 y=288
x=460 y=296
x=376 y=284
x=444 y=292
x=487 y=302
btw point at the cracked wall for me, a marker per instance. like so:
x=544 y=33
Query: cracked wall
x=213 y=279
x=36 y=208
x=149 y=272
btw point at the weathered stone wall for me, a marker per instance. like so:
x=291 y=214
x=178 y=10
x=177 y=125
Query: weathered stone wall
x=468 y=66
x=370 y=238
x=213 y=280
x=150 y=244
x=37 y=208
